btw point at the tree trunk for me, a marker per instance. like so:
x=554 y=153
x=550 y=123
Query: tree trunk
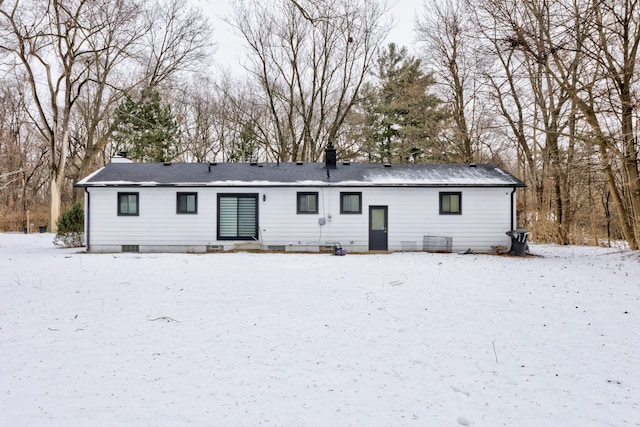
x=627 y=231
x=630 y=166
x=54 y=203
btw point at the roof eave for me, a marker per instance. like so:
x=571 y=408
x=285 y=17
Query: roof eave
x=302 y=184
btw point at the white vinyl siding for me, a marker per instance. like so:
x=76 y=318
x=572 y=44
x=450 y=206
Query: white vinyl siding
x=482 y=223
x=267 y=215
x=156 y=226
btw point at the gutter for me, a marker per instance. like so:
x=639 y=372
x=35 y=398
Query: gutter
x=87 y=225
x=512 y=225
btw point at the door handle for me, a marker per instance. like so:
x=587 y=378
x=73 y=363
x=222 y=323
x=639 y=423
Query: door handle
x=385 y=230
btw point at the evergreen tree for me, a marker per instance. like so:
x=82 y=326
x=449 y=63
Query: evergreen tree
x=244 y=148
x=403 y=117
x=146 y=130
x=70 y=227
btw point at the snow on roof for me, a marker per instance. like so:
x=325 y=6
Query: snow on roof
x=298 y=174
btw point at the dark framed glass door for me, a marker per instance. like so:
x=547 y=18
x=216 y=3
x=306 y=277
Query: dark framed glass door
x=378 y=228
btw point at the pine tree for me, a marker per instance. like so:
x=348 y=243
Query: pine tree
x=245 y=148
x=403 y=117
x=146 y=130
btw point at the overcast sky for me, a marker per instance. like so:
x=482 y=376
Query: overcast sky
x=229 y=52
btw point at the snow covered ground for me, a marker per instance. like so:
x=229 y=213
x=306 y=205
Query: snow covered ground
x=241 y=339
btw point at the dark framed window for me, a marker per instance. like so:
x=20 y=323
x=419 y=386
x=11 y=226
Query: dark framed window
x=350 y=203
x=307 y=203
x=450 y=203
x=128 y=204
x=237 y=216
x=187 y=203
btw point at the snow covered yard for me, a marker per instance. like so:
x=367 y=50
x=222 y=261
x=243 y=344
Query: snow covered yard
x=246 y=339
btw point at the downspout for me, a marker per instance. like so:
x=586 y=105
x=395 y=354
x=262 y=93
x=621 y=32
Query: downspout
x=87 y=219
x=513 y=208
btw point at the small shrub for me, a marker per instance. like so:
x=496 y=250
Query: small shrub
x=70 y=232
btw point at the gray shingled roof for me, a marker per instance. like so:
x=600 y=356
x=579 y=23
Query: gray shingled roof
x=298 y=174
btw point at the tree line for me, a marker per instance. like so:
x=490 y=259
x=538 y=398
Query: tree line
x=545 y=89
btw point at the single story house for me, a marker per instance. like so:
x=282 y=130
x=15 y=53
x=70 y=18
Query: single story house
x=201 y=207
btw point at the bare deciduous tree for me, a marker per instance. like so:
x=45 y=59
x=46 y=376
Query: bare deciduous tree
x=79 y=56
x=445 y=29
x=178 y=39
x=22 y=161
x=50 y=45
x=592 y=51
x=116 y=40
x=309 y=62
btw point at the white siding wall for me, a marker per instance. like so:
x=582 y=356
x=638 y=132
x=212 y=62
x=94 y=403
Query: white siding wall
x=412 y=214
x=281 y=225
x=157 y=224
